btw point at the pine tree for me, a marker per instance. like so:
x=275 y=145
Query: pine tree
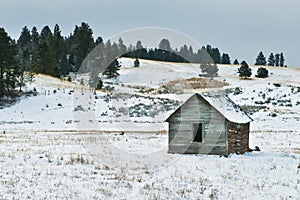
x=82 y=42
x=271 y=60
x=114 y=50
x=277 y=59
x=44 y=60
x=203 y=57
x=60 y=52
x=139 y=45
x=209 y=70
x=191 y=54
x=215 y=55
x=236 y=62
x=112 y=70
x=46 y=34
x=261 y=59
x=140 y=51
x=165 y=45
x=122 y=47
x=99 y=40
x=9 y=70
x=24 y=54
x=281 y=60
x=244 y=71
x=225 y=59
x=184 y=52
x=35 y=38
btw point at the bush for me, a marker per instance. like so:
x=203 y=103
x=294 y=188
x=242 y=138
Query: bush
x=99 y=85
x=244 y=71
x=136 y=63
x=262 y=72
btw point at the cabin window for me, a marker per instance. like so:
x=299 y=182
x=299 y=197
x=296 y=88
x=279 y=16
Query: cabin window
x=198 y=132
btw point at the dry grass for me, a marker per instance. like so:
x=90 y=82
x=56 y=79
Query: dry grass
x=296 y=151
x=195 y=83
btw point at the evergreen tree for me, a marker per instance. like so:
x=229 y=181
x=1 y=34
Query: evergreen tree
x=44 y=60
x=271 y=60
x=244 y=71
x=139 y=45
x=114 y=50
x=209 y=70
x=24 y=54
x=140 y=50
x=208 y=49
x=203 y=57
x=112 y=69
x=184 y=52
x=225 y=59
x=60 y=52
x=236 y=62
x=277 y=59
x=35 y=38
x=99 y=40
x=191 y=54
x=281 y=60
x=82 y=42
x=262 y=72
x=261 y=59
x=215 y=55
x=46 y=34
x=122 y=47
x=9 y=71
x=165 y=45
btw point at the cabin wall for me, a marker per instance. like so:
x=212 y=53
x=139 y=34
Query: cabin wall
x=238 y=138
x=181 y=129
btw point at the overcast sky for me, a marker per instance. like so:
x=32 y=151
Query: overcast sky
x=241 y=28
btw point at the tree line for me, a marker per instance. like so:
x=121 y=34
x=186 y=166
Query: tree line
x=273 y=60
x=164 y=52
x=49 y=52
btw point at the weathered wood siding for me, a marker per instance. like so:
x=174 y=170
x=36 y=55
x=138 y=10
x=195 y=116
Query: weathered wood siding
x=238 y=138
x=181 y=123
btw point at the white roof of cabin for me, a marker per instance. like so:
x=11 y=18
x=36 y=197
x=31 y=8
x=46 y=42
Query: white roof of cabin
x=227 y=108
x=224 y=105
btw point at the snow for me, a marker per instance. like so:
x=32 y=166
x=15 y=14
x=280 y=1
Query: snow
x=88 y=147
x=63 y=165
x=227 y=108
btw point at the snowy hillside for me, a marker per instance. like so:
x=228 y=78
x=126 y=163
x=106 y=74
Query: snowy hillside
x=68 y=143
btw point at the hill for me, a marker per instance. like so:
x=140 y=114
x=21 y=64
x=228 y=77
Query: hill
x=69 y=142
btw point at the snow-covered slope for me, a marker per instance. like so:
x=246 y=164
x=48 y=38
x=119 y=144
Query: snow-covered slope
x=69 y=143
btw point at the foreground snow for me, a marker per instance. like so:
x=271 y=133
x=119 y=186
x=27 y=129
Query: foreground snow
x=65 y=165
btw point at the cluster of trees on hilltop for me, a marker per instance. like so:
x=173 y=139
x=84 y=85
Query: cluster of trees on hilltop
x=164 y=52
x=51 y=53
x=273 y=60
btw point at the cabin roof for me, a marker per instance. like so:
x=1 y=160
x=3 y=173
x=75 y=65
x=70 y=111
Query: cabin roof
x=223 y=104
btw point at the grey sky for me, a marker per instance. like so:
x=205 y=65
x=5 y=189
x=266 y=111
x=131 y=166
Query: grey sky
x=239 y=27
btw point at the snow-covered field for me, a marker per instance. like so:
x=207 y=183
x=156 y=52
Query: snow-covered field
x=69 y=143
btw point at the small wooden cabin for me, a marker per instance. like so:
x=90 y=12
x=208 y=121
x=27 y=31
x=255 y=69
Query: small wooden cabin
x=209 y=124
